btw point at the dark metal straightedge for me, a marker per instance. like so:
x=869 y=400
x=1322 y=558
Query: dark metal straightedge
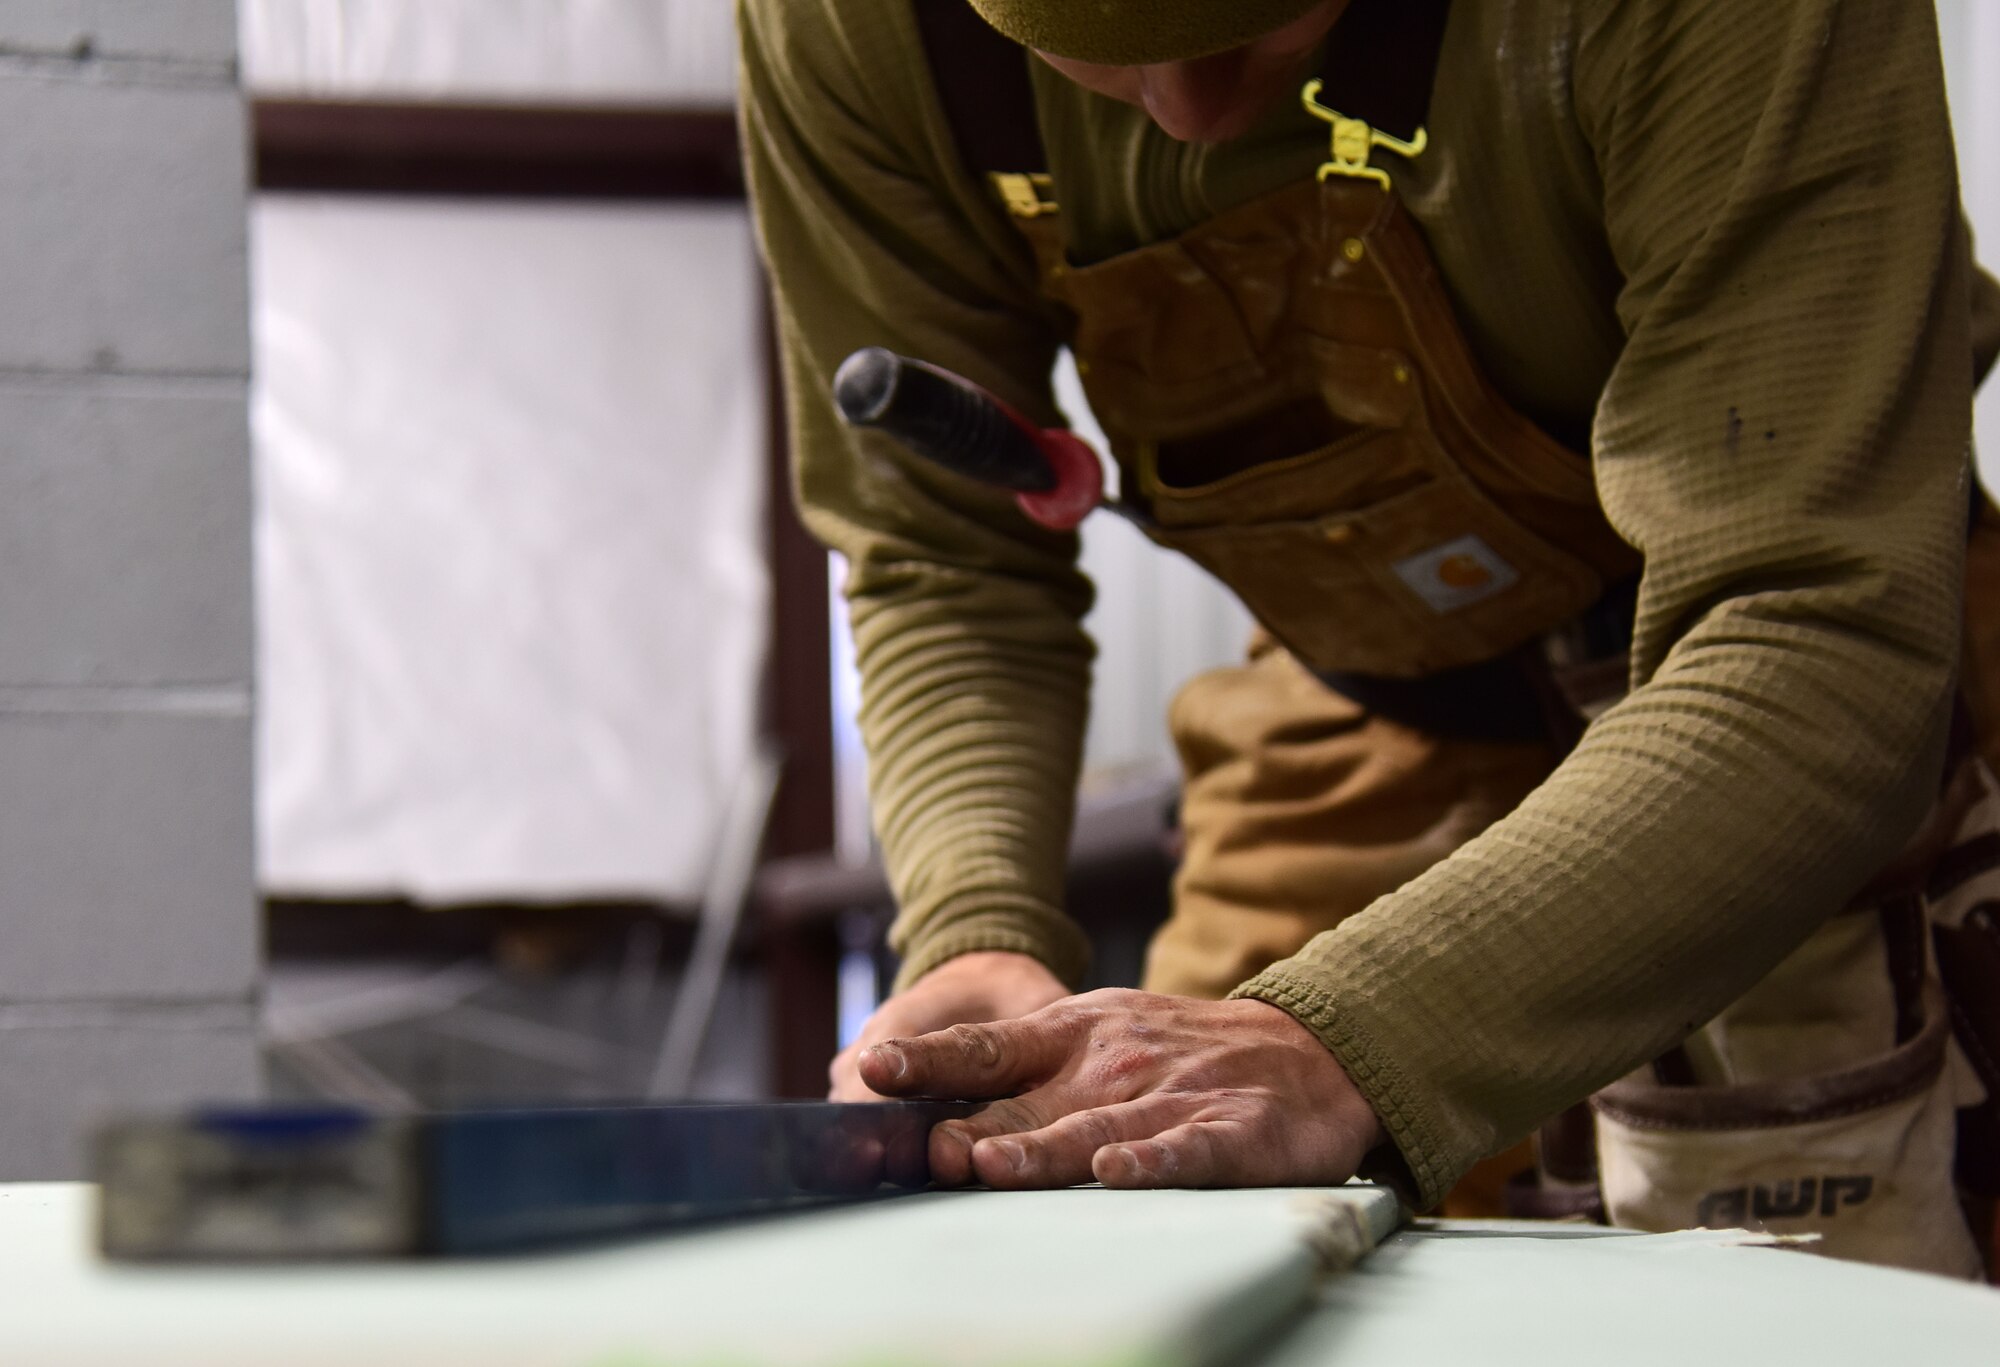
x=318 y=1182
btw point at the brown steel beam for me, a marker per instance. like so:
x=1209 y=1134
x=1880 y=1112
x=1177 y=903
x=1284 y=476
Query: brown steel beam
x=458 y=149
x=798 y=703
x=803 y=959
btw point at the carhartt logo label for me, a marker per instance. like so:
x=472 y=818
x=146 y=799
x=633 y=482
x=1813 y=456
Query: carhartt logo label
x=1457 y=575
x=1464 y=572
x=1740 y=1206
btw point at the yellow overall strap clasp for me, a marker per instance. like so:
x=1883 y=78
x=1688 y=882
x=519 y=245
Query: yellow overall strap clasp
x=1026 y=196
x=1354 y=142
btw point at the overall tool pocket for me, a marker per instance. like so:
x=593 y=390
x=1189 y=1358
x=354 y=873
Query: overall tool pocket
x=1819 y=1105
x=1962 y=899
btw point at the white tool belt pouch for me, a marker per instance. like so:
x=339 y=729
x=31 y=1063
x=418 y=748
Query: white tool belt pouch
x=1822 y=1104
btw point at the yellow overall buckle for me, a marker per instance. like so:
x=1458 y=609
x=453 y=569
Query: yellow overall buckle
x=1026 y=195
x=1354 y=142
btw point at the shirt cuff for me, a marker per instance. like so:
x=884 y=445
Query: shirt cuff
x=1037 y=931
x=1415 y=1162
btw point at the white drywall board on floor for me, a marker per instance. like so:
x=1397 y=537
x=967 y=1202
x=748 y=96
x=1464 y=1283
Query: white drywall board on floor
x=659 y=51
x=1499 y=1294
x=512 y=594
x=1089 y=1277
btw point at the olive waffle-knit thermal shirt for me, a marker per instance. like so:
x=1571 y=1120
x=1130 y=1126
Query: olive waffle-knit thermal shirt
x=1719 y=243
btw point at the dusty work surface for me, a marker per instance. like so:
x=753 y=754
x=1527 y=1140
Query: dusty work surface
x=1057 y=1279
x=1044 y=1278
x=1456 y=1295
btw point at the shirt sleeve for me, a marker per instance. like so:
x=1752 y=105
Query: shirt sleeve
x=1785 y=439
x=966 y=616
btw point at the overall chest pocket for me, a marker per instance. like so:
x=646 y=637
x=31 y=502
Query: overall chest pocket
x=1431 y=578
x=1372 y=552
x=1331 y=431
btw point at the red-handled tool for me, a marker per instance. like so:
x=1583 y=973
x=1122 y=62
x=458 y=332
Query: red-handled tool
x=946 y=418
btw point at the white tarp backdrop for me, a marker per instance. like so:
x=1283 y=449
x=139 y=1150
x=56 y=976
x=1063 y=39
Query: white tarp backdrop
x=513 y=605
x=1971 y=33
x=678 y=52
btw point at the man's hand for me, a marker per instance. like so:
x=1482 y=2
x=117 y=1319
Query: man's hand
x=970 y=988
x=1135 y=1090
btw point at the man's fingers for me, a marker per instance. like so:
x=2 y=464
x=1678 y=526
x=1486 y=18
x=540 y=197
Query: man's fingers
x=1061 y=1154
x=906 y=1162
x=842 y=1163
x=970 y=1062
x=952 y=1141
x=1207 y=1153
x=843 y=1078
x=1235 y=1150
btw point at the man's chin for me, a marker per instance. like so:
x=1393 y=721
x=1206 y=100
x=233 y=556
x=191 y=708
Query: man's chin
x=1226 y=125
x=1224 y=128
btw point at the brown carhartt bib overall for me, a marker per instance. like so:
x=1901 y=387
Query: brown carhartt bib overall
x=1291 y=402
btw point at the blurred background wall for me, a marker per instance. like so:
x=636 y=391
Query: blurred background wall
x=514 y=610
x=128 y=930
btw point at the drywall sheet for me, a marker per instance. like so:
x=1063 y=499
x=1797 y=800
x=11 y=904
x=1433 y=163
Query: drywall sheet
x=1174 y=1278
x=1568 y=1296
x=659 y=51
x=512 y=596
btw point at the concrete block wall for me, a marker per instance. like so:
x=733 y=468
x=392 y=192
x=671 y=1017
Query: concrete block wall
x=128 y=922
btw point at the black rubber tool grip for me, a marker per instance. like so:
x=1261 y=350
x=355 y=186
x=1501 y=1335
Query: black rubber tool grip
x=942 y=418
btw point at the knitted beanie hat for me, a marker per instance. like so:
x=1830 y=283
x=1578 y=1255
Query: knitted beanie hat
x=1137 y=32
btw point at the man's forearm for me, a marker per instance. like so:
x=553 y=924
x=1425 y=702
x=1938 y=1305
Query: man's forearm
x=974 y=717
